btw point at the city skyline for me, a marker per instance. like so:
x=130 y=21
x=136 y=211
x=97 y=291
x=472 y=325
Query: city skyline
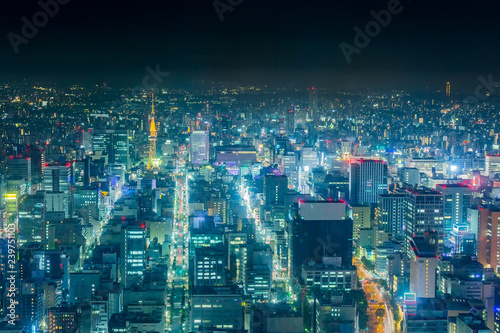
x=249 y=166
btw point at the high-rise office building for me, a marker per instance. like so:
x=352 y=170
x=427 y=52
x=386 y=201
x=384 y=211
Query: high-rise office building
x=199 y=147
x=57 y=178
x=204 y=237
x=423 y=266
x=367 y=179
x=114 y=143
x=32 y=218
x=275 y=188
x=20 y=167
x=31 y=304
x=290 y=168
x=321 y=229
x=361 y=219
x=88 y=198
x=216 y=307
x=237 y=255
x=473 y=221
x=489 y=238
x=309 y=159
x=423 y=213
x=219 y=207
x=17 y=184
x=133 y=254
x=63 y=320
x=390 y=213
x=56 y=202
x=258 y=281
x=37 y=162
x=456 y=201
x=209 y=266
x=81 y=172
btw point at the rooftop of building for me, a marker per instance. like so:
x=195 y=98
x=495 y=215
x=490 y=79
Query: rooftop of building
x=422 y=247
x=472 y=321
x=217 y=291
x=322 y=267
x=445 y=186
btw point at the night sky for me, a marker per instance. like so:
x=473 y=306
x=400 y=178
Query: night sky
x=259 y=42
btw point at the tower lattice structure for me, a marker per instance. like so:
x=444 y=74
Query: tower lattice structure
x=152 y=136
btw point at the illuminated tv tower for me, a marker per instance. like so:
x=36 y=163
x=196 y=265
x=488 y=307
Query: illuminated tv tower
x=448 y=89
x=152 y=137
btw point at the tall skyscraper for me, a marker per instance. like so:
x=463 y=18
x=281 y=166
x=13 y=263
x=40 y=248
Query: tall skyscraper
x=114 y=143
x=31 y=303
x=32 y=218
x=290 y=168
x=321 y=229
x=367 y=179
x=275 y=188
x=20 y=167
x=390 y=213
x=423 y=213
x=456 y=201
x=199 y=147
x=209 y=266
x=489 y=237
x=448 y=89
x=81 y=172
x=423 y=266
x=133 y=254
x=361 y=219
x=57 y=178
